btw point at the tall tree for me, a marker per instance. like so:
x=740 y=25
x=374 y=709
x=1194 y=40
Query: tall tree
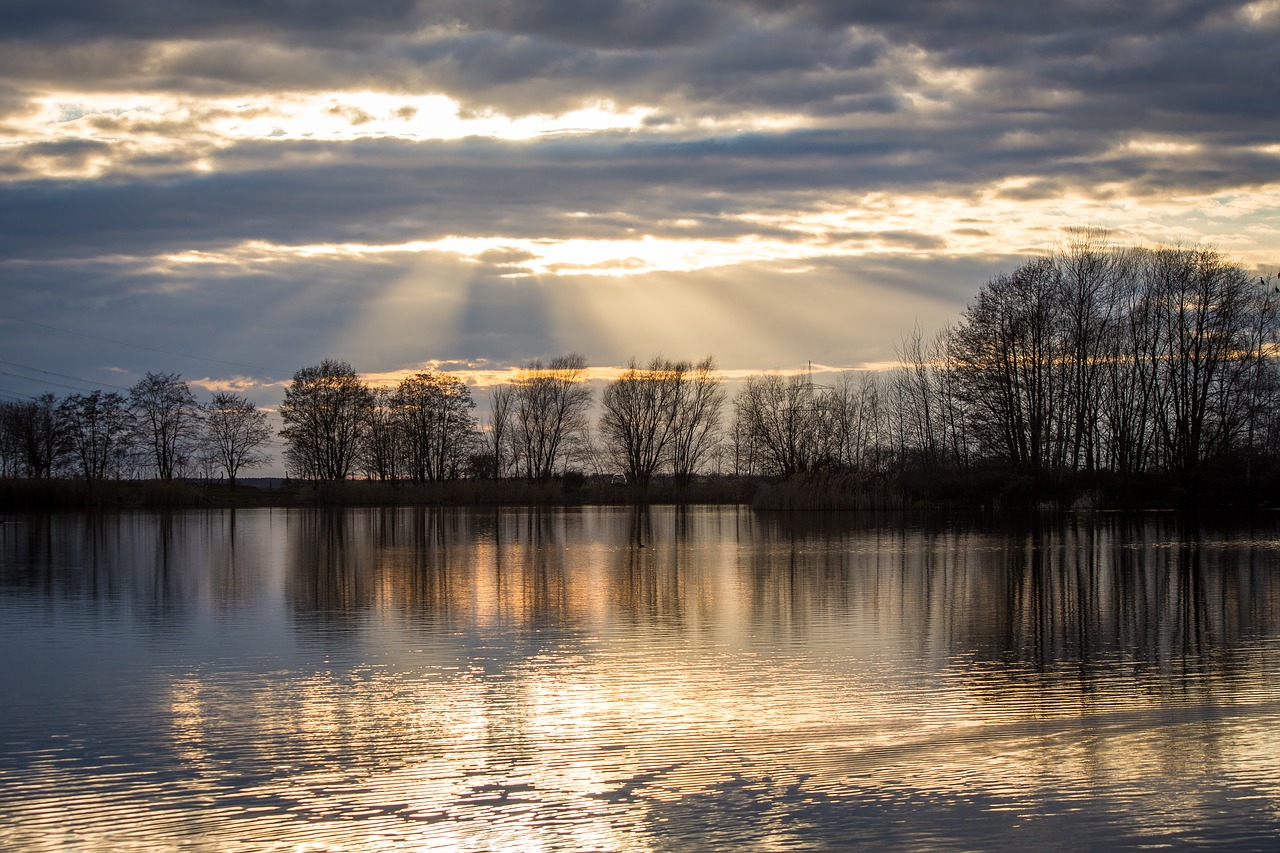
x=501 y=421
x=1091 y=274
x=916 y=391
x=695 y=434
x=1131 y=369
x=857 y=422
x=1009 y=361
x=236 y=432
x=1124 y=359
x=9 y=454
x=325 y=412
x=784 y=423
x=33 y=436
x=383 y=451
x=639 y=416
x=439 y=431
x=99 y=432
x=551 y=405
x=168 y=420
x=1215 y=329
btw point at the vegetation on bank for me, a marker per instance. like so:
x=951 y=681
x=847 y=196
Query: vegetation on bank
x=53 y=494
x=992 y=489
x=1101 y=376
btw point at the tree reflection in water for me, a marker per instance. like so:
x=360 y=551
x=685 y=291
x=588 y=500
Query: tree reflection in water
x=638 y=678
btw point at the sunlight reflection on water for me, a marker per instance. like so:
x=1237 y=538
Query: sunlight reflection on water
x=611 y=679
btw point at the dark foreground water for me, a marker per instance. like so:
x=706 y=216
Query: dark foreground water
x=608 y=679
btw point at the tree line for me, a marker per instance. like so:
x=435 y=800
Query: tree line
x=157 y=429
x=1097 y=360
x=663 y=416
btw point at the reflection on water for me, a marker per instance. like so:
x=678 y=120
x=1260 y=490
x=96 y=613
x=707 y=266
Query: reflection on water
x=622 y=679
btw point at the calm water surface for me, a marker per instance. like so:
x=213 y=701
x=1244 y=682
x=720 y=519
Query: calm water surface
x=614 y=679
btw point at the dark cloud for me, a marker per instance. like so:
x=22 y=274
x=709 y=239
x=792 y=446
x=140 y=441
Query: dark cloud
x=507 y=256
x=944 y=25
x=608 y=24
x=1163 y=67
x=762 y=111
x=598 y=23
x=13 y=101
x=895 y=239
x=62 y=154
x=137 y=19
x=384 y=191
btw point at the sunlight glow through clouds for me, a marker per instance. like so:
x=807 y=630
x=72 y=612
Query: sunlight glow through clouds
x=351 y=115
x=537 y=257
x=990 y=224
x=336 y=116
x=766 y=183
x=1158 y=146
x=482 y=375
x=141 y=132
x=1258 y=13
x=172 y=130
x=133 y=129
x=133 y=124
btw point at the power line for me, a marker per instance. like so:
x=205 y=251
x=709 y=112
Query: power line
x=96 y=386
x=14 y=395
x=62 y=375
x=44 y=381
x=272 y=370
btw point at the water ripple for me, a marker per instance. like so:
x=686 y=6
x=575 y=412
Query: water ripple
x=408 y=680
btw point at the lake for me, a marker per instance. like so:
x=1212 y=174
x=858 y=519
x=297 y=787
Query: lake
x=613 y=678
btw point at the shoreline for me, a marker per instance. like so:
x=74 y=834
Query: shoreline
x=810 y=493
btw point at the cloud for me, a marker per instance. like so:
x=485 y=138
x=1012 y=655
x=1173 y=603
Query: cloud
x=1172 y=61
x=75 y=19
x=389 y=191
x=406 y=182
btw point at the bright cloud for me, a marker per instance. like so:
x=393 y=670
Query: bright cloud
x=478 y=183
x=157 y=122
x=991 y=223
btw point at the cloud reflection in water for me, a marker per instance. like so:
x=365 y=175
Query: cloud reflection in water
x=623 y=680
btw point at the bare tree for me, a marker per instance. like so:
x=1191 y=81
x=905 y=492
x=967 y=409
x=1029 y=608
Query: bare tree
x=1091 y=274
x=168 y=421
x=499 y=439
x=9 y=451
x=99 y=432
x=32 y=436
x=743 y=452
x=1124 y=359
x=586 y=454
x=1215 y=331
x=1010 y=363
x=929 y=420
x=783 y=423
x=695 y=434
x=869 y=442
x=639 y=416
x=551 y=405
x=236 y=432
x=1130 y=370
x=438 y=430
x=915 y=391
x=383 y=452
x=325 y=411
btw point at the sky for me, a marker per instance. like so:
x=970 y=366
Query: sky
x=233 y=190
